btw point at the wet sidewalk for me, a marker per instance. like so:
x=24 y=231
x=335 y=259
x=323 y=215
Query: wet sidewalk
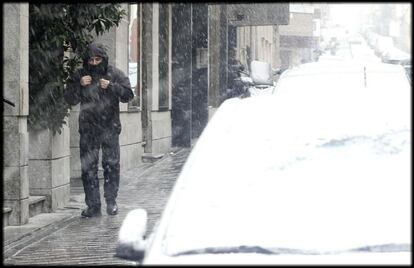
x=64 y=238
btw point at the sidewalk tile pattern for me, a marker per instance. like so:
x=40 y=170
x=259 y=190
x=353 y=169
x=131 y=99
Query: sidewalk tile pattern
x=92 y=241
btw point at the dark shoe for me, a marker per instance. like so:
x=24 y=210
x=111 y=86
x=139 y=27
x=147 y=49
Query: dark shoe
x=91 y=212
x=111 y=208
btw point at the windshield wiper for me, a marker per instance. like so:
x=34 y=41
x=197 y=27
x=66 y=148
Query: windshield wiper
x=280 y=251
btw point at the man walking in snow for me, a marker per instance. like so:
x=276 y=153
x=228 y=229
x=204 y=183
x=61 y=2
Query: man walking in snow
x=99 y=88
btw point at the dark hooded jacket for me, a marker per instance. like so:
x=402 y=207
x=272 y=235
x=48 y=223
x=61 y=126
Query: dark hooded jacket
x=99 y=108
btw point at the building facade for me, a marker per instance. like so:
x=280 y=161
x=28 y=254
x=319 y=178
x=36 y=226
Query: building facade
x=300 y=38
x=176 y=57
x=15 y=134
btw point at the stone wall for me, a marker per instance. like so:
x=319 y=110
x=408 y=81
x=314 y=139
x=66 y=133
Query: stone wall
x=161 y=127
x=131 y=140
x=15 y=89
x=49 y=166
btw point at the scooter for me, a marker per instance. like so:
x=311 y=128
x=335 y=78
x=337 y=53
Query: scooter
x=261 y=76
x=241 y=82
x=260 y=81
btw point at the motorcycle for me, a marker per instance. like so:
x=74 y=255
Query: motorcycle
x=260 y=81
x=241 y=81
x=261 y=76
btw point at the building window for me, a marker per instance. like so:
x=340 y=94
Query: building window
x=134 y=55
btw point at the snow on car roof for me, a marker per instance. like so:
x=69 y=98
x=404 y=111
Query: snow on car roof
x=346 y=76
x=290 y=171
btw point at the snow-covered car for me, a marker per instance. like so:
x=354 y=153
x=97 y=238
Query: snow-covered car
x=356 y=39
x=383 y=44
x=317 y=173
x=396 y=56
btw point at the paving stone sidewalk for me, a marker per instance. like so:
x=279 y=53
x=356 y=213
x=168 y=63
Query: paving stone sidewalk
x=64 y=238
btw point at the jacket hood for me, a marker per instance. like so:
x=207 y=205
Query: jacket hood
x=95 y=49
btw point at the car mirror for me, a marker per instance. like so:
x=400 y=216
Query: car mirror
x=131 y=240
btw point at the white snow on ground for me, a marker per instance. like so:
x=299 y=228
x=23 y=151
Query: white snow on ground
x=311 y=167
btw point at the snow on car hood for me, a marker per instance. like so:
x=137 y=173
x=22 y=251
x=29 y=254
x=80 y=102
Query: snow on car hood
x=307 y=171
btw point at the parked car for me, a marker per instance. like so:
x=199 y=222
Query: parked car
x=356 y=39
x=396 y=56
x=383 y=44
x=408 y=71
x=317 y=173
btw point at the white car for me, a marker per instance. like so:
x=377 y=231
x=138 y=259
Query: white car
x=383 y=44
x=317 y=173
x=396 y=56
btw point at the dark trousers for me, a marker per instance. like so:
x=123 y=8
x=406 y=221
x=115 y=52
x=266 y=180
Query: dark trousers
x=89 y=154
